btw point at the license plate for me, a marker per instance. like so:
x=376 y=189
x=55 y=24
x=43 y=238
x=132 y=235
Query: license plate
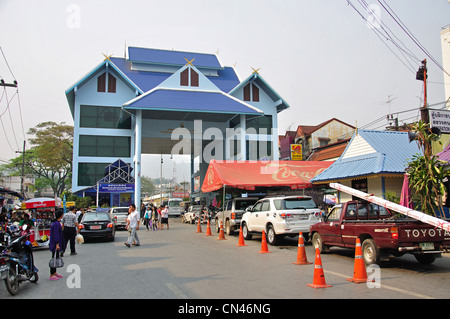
x=95 y=227
x=426 y=246
x=303 y=217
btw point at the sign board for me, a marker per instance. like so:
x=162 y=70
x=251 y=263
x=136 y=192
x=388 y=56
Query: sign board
x=116 y=188
x=440 y=119
x=296 y=152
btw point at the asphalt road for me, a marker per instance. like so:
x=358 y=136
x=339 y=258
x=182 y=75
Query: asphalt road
x=180 y=263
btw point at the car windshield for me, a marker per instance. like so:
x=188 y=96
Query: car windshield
x=89 y=217
x=243 y=204
x=174 y=203
x=295 y=203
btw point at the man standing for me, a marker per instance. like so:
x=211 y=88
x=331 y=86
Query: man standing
x=70 y=230
x=133 y=225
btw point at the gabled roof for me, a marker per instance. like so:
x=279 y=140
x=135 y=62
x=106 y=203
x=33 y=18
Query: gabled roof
x=258 y=79
x=306 y=130
x=372 y=153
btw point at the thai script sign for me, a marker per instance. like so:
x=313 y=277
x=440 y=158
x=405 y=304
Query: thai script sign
x=440 y=119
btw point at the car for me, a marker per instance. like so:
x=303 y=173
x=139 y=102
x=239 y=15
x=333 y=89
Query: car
x=119 y=216
x=231 y=216
x=192 y=214
x=281 y=216
x=97 y=225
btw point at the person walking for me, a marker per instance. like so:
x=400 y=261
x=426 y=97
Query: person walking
x=133 y=224
x=57 y=241
x=165 y=216
x=70 y=230
x=147 y=219
x=154 y=218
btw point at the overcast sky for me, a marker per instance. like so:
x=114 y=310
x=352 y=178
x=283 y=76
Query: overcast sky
x=320 y=56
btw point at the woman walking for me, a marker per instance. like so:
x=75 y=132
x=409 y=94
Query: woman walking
x=57 y=241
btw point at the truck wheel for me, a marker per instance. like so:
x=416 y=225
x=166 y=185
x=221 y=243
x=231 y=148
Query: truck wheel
x=371 y=253
x=425 y=259
x=245 y=233
x=272 y=237
x=317 y=242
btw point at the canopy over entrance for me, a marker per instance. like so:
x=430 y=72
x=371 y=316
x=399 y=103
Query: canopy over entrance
x=249 y=174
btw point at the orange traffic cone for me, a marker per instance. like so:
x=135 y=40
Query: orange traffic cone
x=301 y=253
x=241 y=238
x=359 y=270
x=199 y=227
x=319 y=277
x=221 y=233
x=264 y=249
x=208 y=229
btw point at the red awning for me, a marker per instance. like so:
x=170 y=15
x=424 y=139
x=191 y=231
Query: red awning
x=249 y=174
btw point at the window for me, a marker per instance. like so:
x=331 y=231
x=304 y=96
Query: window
x=104 y=117
x=101 y=83
x=261 y=122
x=254 y=96
x=90 y=173
x=114 y=146
x=184 y=78
x=111 y=83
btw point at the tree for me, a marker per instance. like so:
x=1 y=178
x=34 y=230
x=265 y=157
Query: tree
x=50 y=158
x=427 y=174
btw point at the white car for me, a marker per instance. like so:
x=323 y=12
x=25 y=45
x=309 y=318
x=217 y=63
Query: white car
x=119 y=216
x=192 y=214
x=281 y=216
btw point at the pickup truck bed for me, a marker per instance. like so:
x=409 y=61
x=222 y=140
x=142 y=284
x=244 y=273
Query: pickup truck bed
x=381 y=233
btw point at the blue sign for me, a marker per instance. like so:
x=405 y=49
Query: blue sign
x=116 y=188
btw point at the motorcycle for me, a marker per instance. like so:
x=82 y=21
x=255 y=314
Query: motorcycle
x=16 y=261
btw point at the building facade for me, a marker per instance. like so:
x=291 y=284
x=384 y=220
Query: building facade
x=168 y=102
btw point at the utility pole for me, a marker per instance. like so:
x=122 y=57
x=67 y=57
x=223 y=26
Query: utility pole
x=22 y=177
x=421 y=75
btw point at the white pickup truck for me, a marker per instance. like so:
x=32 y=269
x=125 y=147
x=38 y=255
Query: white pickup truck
x=281 y=216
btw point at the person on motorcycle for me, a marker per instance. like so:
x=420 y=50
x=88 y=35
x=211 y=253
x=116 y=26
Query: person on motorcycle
x=26 y=221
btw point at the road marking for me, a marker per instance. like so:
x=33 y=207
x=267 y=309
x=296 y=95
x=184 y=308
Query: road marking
x=407 y=292
x=177 y=292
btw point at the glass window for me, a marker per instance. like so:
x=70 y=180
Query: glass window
x=90 y=173
x=265 y=206
x=335 y=214
x=105 y=146
x=104 y=117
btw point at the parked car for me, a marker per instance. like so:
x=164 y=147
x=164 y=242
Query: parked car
x=231 y=216
x=119 y=216
x=97 y=225
x=192 y=214
x=281 y=216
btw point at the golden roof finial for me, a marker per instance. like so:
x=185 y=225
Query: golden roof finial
x=189 y=62
x=256 y=70
x=107 y=56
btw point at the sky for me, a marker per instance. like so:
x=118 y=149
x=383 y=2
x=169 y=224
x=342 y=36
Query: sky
x=320 y=56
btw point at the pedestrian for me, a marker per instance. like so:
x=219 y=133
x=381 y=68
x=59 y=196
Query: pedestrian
x=70 y=230
x=154 y=218
x=147 y=219
x=57 y=241
x=158 y=212
x=133 y=224
x=165 y=217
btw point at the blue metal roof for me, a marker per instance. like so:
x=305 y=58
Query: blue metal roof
x=170 y=57
x=189 y=100
x=392 y=153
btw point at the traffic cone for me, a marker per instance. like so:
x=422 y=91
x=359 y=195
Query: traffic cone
x=319 y=277
x=359 y=270
x=199 y=227
x=264 y=249
x=221 y=233
x=241 y=238
x=208 y=229
x=301 y=253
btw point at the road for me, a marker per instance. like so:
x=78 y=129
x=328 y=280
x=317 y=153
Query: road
x=180 y=263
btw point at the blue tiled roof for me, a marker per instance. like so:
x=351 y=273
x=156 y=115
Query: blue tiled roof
x=170 y=57
x=193 y=101
x=392 y=153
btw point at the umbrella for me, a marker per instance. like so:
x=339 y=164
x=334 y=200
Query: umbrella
x=405 y=196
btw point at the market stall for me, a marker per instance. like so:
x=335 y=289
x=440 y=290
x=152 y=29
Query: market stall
x=42 y=211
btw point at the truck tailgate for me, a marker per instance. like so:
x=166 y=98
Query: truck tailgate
x=423 y=236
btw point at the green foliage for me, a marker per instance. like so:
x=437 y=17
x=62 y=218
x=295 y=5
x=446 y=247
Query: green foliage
x=426 y=174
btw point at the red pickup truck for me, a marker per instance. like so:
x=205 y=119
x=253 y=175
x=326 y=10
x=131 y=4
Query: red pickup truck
x=381 y=233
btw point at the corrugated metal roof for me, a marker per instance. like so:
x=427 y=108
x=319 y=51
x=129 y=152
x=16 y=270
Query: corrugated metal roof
x=189 y=100
x=392 y=153
x=170 y=57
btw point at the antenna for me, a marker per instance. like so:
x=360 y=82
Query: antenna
x=388 y=102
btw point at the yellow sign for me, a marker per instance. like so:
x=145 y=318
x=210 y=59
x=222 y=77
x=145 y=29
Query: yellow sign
x=296 y=152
